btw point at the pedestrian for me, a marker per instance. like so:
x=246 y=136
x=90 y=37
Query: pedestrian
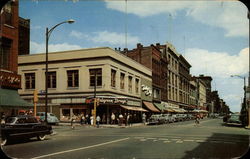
x=82 y=119
x=112 y=118
x=87 y=119
x=98 y=119
x=127 y=119
x=103 y=119
x=120 y=119
x=197 y=118
x=144 y=118
x=91 y=120
x=73 y=119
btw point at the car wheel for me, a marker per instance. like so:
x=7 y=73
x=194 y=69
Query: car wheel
x=3 y=141
x=41 y=137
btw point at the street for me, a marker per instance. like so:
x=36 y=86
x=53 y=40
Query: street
x=210 y=139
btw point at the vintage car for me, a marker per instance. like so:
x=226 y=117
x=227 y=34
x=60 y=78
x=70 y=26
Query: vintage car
x=168 y=118
x=23 y=126
x=234 y=118
x=155 y=119
x=51 y=118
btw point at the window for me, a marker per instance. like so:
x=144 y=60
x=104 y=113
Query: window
x=137 y=86
x=98 y=73
x=130 y=83
x=122 y=83
x=156 y=93
x=73 y=78
x=29 y=80
x=8 y=14
x=113 y=77
x=51 y=80
x=5 y=52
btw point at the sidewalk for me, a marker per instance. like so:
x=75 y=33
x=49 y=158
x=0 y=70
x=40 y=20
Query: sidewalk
x=102 y=125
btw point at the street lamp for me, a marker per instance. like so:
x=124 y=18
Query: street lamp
x=245 y=101
x=48 y=33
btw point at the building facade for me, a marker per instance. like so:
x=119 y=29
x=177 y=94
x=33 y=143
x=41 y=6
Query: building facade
x=72 y=78
x=10 y=80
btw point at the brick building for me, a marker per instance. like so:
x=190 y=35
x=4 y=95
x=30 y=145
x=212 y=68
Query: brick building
x=10 y=81
x=154 y=58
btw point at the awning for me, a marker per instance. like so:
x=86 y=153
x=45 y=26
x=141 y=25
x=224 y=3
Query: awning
x=151 y=107
x=10 y=98
x=169 y=110
x=134 y=108
x=160 y=106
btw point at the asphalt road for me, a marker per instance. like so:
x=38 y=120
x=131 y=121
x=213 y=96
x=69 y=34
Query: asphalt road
x=210 y=139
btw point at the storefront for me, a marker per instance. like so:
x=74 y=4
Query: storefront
x=117 y=105
x=11 y=102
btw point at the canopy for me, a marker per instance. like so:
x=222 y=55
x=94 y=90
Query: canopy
x=134 y=108
x=160 y=106
x=151 y=107
x=10 y=98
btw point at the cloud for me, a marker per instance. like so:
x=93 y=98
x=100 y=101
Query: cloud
x=230 y=16
x=217 y=64
x=40 y=47
x=112 y=38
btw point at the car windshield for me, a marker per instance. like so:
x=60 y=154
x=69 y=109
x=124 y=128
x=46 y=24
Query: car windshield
x=10 y=120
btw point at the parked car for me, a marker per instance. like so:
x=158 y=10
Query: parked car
x=179 y=117
x=190 y=116
x=234 y=118
x=23 y=126
x=155 y=119
x=174 y=117
x=51 y=118
x=168 y=118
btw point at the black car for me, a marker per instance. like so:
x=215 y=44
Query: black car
x=23 y=126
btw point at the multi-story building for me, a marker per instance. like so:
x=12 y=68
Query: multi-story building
x=193 y=94
x=121 y=83
x=152 y=57
x=207 y=80
x=201 y=94
x=24 y=36
x=10 y=81
x=184 y=83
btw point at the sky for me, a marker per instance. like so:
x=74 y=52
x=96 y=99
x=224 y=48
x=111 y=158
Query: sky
x=212 y=35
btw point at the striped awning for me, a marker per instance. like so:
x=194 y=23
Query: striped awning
x=140 y=109
x=151 y=107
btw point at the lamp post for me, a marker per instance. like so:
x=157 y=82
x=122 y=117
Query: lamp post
x=244 y=100
x=48 y=33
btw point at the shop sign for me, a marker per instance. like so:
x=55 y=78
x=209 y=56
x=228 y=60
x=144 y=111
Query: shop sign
x=11 y=80
x=108 y=100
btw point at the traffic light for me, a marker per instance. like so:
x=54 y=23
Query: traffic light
x=97 y=101
x=35 y=96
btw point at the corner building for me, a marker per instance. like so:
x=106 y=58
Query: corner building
x=72 y=77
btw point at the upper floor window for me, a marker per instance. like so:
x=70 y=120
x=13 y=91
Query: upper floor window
x=137 y=86
x=8 y=13
x=51 y=80
x=113 y=78
x=122 y=82
x=5 y=53
x=73 y=78
x=30 y=80
x=95 y=75
x=130 y=78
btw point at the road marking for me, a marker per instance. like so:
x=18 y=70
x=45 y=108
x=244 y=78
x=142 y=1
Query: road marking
x=155 y=140
x=175 y=139
x=81 y=148
x=163 y=139
x=179 y=141
x=215 y=141
x=143 y=139
x=189 y=140
x=167 y=141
